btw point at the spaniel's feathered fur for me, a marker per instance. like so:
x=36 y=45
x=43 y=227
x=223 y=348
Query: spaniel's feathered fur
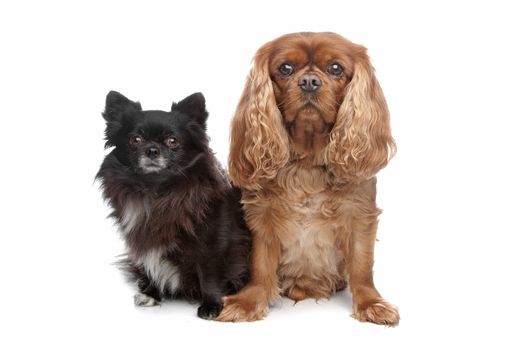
x=306 y=161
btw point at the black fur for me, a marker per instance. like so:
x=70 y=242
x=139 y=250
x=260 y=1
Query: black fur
x=171 y=198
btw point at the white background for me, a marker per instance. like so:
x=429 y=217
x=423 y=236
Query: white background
x=450 y=250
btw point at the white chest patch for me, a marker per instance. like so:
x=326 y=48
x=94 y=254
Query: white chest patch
x=132 y=214
x=161 y=271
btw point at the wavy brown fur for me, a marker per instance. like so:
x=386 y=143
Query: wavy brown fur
x=306 y=163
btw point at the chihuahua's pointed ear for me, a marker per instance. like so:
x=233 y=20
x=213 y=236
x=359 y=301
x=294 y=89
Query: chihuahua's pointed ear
x=194 y=106
x=116 y=103
x=116 y=106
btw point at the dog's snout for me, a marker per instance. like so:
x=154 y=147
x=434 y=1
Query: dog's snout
x=310 y=82
x=152 y=152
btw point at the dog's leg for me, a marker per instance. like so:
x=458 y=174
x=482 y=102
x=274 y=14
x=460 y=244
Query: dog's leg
x=251 y=303
x=149 y=294
x=368 y=305
x=211 y=304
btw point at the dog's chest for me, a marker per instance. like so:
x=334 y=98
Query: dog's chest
x=133 y=213
x=136 y=219
x=310 y=248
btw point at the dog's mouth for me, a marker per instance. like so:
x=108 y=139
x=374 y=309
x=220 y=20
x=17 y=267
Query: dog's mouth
x=311 y=103
x=148 y=165
x=308 y=129
x=310 y=107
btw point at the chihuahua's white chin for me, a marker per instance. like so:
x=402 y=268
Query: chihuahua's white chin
x=152 y=166
x=151 y=169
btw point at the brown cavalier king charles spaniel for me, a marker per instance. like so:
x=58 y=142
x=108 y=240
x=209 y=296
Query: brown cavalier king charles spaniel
x=310 y=132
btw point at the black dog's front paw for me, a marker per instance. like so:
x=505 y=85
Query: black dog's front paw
x=209 y=311
x=145 y=300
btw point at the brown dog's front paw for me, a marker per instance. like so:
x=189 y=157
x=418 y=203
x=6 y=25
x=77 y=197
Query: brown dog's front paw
x=248 y=305
x=378 y=311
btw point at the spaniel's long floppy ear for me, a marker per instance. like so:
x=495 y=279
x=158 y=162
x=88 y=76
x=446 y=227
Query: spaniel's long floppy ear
x=258 y=141
x=361 y=142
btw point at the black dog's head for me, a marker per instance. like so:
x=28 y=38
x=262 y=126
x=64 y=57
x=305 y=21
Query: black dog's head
x=156 y=144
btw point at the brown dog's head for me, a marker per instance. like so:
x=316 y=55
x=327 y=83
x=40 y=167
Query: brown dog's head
x=309 y=93
x=309 y=75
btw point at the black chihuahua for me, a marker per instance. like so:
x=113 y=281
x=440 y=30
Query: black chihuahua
x=178 y=214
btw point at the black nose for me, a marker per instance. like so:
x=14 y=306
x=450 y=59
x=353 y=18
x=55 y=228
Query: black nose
x=310 y=82
x=152 y=152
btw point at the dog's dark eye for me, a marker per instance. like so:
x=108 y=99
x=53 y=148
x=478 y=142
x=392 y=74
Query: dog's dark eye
x=286 y=69
x=135 y=140
x=171 y=142
x=335 y=69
